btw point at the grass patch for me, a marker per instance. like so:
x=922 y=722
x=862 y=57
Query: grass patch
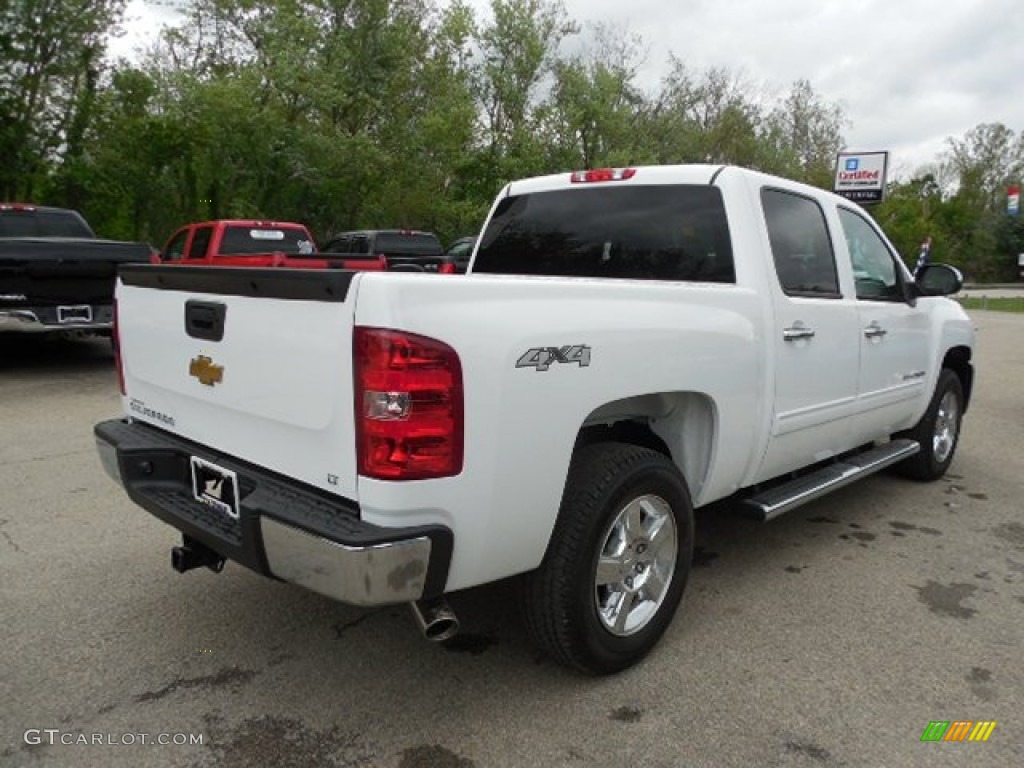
x=1005 y=304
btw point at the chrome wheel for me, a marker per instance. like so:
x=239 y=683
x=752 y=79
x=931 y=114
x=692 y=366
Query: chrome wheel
x=947 y=424
x=635 y=565
x=617 y=562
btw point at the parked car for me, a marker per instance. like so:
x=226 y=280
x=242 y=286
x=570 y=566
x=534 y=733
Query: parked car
x=403 y=249
x=634 y=344
x=56 y=276
x=456 y=258
x=251 y=243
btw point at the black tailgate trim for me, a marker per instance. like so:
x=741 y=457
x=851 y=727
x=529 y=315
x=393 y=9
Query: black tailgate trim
x=271 y=283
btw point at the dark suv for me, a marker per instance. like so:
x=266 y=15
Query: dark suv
x=456 y=258
x=403 y=249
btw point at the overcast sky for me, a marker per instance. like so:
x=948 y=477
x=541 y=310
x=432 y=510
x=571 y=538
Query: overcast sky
x=908 y=74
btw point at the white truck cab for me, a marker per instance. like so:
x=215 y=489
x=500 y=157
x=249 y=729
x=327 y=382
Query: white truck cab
x=628 y=345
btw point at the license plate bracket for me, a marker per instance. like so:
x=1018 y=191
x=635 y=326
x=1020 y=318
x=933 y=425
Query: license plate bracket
x=215 y=486
x=77 y=313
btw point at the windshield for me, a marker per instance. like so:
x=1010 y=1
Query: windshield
x=640 y=232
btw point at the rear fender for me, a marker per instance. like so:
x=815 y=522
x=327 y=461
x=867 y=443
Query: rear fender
x=684 y=423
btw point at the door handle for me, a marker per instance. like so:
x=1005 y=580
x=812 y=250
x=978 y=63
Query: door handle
x=797 y=332
x=874 y=331
x=205 y=319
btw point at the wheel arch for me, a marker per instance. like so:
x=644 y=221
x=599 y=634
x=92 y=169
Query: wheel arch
x=958 y=360
x=680 y=425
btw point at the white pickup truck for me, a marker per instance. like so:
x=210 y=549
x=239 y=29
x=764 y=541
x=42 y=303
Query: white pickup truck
x=628 y=345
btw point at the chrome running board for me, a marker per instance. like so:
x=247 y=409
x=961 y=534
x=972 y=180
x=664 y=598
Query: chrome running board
x=776 y=501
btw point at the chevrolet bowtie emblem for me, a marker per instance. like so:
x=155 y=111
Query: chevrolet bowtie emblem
x=204 y=369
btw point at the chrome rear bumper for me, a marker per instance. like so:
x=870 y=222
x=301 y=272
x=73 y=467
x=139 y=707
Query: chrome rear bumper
x=283 y=530
x=41 y=320
x=393 y=572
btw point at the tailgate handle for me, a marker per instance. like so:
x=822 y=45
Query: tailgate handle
x=205 y=319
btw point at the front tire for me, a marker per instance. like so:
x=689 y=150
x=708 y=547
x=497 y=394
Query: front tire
x=617 y=562
x=938 y=431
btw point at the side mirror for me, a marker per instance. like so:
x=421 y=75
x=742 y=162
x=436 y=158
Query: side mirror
x=938 y=280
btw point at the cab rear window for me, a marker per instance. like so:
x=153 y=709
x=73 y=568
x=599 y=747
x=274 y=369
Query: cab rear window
x=671 y=232
x=46 y=223
x=239 y=241
x=417 y=244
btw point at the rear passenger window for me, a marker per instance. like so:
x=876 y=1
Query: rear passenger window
x=338 y=245
x=804 y=260
x=200 y=242
x=657 y=232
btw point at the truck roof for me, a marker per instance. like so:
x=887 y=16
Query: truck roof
x=654 y=174
x=648 y=174
x=30 y=207
x=249 y=223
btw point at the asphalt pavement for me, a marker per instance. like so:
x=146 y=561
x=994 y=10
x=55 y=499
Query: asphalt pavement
x=832 y=636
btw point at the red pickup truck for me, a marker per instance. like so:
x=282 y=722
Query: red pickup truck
x=250 y=243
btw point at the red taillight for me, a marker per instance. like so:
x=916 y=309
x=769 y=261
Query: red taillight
x=602 y=174
x=408 y=406
x=115 y=340
x=448 y=268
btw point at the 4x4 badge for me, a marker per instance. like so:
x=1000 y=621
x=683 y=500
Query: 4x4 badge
x=541 y=358
x=204 y=369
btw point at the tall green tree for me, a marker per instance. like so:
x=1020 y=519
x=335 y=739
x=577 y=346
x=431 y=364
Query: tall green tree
x=595 y=110
x=704 y=117
x=987 y=160
x=130 y=152
x=911 y=212
x=801 y=136
x=518 y=51
x=52 y=52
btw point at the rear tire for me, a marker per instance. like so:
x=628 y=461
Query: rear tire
x=617 y=562
x=938 y=431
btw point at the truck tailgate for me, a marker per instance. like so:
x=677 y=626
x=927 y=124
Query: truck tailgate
x=255 y=363
x=64 y=270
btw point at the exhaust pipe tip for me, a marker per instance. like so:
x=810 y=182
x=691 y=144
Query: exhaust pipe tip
x=441 y=629
x=435 y=618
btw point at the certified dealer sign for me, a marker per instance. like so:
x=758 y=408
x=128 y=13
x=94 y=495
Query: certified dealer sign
x=860 y=176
